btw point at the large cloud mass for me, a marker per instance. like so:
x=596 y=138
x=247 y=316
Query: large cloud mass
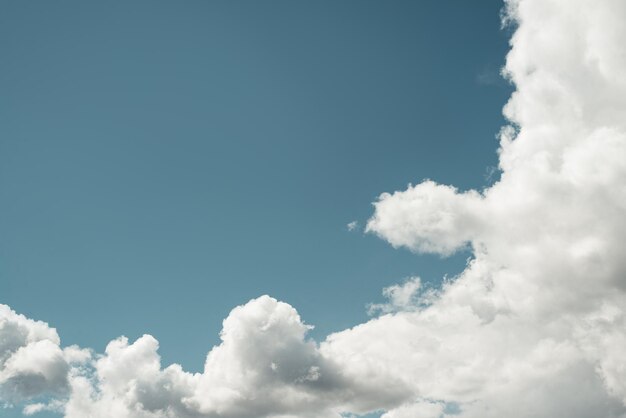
x=534 y=327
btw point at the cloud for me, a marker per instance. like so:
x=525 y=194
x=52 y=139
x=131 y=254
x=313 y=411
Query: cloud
x=35 y=408
x=32 y=363
x=265 y=366
x=534 y=326
x=407 y=296
x=429 y=218
x=423 y=409
x=531 y=327
x=128 y=382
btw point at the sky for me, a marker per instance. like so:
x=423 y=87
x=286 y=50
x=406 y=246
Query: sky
x=189 y=188
x=163 y=162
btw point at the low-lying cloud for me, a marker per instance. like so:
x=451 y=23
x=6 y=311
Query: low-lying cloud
x=535 y=326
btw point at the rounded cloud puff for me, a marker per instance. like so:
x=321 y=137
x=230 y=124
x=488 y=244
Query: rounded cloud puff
x=429 y=217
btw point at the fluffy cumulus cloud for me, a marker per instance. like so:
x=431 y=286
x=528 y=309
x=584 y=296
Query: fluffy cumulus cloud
x=534 y=327
x=427 y=218
x=32 y=363
x=265 y=366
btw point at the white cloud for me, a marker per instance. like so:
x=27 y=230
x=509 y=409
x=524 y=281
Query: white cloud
x=53 y=406
x=407 y=296
x=264 y=366
x=534 y=326
x=32 y=362
x=421 y=409
x=531 y=327
x=428 y=218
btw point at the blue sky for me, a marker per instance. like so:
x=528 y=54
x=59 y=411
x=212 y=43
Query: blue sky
x=163 y=162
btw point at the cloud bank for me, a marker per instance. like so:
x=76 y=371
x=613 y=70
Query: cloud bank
x=535 y=326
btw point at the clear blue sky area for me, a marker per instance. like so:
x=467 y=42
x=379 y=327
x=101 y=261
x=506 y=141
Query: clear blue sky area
x=163 y=162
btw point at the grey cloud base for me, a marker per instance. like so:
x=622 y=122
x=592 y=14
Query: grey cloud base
x=534 y=327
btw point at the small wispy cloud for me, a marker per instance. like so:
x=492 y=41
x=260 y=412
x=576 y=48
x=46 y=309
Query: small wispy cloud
x=407 y=296
x=490 y=75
